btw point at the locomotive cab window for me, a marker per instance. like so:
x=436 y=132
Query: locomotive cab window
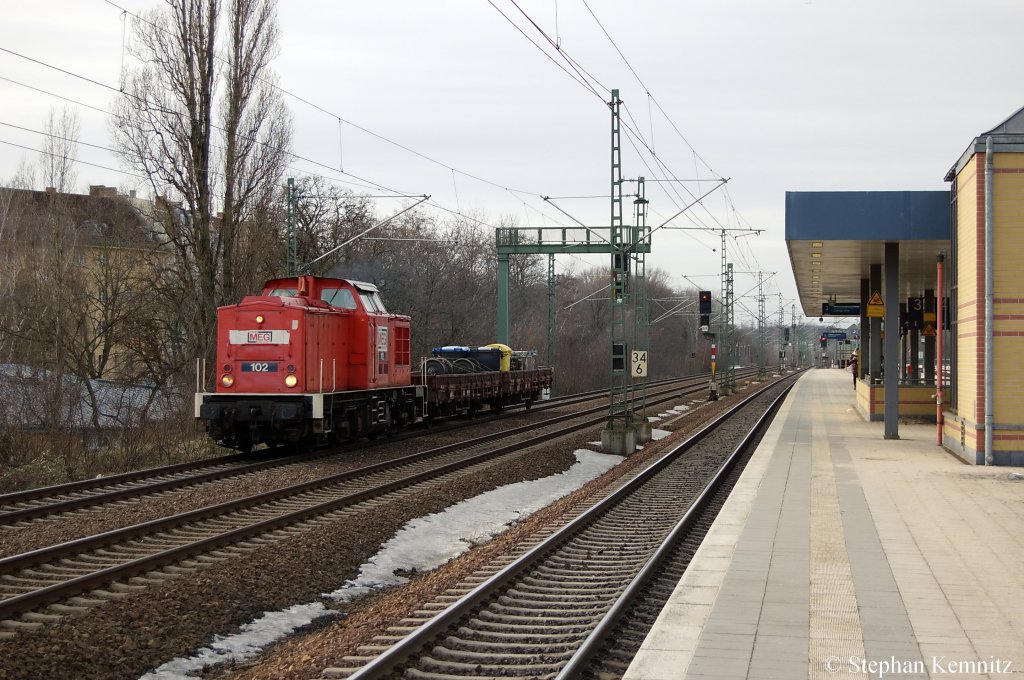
x=338 y=297
x=283 y=292
x=372 y=302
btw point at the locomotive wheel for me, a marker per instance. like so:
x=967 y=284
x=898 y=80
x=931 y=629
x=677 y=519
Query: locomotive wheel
x=340 y=435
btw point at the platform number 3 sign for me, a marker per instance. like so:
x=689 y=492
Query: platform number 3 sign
x=639 y=364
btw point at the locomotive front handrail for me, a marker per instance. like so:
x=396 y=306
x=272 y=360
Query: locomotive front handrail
x=200 y=374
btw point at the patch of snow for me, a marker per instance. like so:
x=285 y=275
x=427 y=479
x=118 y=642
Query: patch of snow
x=430 y=541
x=246 y=643
x=422 y=544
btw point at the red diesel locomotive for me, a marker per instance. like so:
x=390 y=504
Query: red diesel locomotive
x=316 y=358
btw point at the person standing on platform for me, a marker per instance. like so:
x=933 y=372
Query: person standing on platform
x=853 y=367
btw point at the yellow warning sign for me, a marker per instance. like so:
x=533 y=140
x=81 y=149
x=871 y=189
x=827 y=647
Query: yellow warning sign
x=929 y=329
x=876 y=308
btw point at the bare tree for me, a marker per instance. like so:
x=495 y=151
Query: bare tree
x=60 y=150
x=327 y=216
x=259 y=250
x=37 y=318
x=257 y=126
x=211 y=153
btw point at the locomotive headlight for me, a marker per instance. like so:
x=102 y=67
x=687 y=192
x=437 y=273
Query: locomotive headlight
x=227 y=380
x=259 y=318
x=290 y=381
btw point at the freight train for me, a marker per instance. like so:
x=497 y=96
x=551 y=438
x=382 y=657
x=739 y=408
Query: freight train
x=316 y=359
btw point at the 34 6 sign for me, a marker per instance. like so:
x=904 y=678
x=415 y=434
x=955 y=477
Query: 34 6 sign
x=639 y=364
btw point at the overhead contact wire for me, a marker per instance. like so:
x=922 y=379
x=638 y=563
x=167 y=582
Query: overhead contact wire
x=498 y=185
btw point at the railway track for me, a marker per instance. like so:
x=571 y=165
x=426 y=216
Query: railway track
x=45 y=502
x=578 y=603
x=43 y=585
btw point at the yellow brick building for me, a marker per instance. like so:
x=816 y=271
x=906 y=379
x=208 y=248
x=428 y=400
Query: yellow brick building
x=964 y=423
x=886 y=254
x=76 y=269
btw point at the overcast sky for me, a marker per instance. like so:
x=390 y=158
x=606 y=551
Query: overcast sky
x=776 y=95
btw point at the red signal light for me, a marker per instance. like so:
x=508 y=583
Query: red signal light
x=704 y=299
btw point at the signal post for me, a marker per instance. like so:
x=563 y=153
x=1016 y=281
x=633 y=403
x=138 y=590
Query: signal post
x=714 y=380
x=704 y=309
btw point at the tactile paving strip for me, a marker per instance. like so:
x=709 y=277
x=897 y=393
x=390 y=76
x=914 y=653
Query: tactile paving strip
x=835 y=626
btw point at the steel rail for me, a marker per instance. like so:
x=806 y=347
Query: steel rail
x=114 y=536
x=592 y=644
x=399 y=653
x=134 y=475
x=86 y=484
x=68 y=505
x=34 y=511
x=27 y=601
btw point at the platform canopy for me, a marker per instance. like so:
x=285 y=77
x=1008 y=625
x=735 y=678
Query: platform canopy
x=834 y=237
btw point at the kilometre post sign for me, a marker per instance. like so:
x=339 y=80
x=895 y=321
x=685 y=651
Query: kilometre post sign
x=639 y=368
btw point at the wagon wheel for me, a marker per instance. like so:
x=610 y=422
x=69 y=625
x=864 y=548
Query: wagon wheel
x=464 y=365
x=436 y=366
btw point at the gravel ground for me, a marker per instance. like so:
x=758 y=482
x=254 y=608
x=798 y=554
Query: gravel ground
x=304 y=656
x=125 y=638
x=91 y=521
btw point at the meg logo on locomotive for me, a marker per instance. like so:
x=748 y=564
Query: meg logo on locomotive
x=259 y=337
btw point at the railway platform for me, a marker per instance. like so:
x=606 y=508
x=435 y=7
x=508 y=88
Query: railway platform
x=841 y=554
